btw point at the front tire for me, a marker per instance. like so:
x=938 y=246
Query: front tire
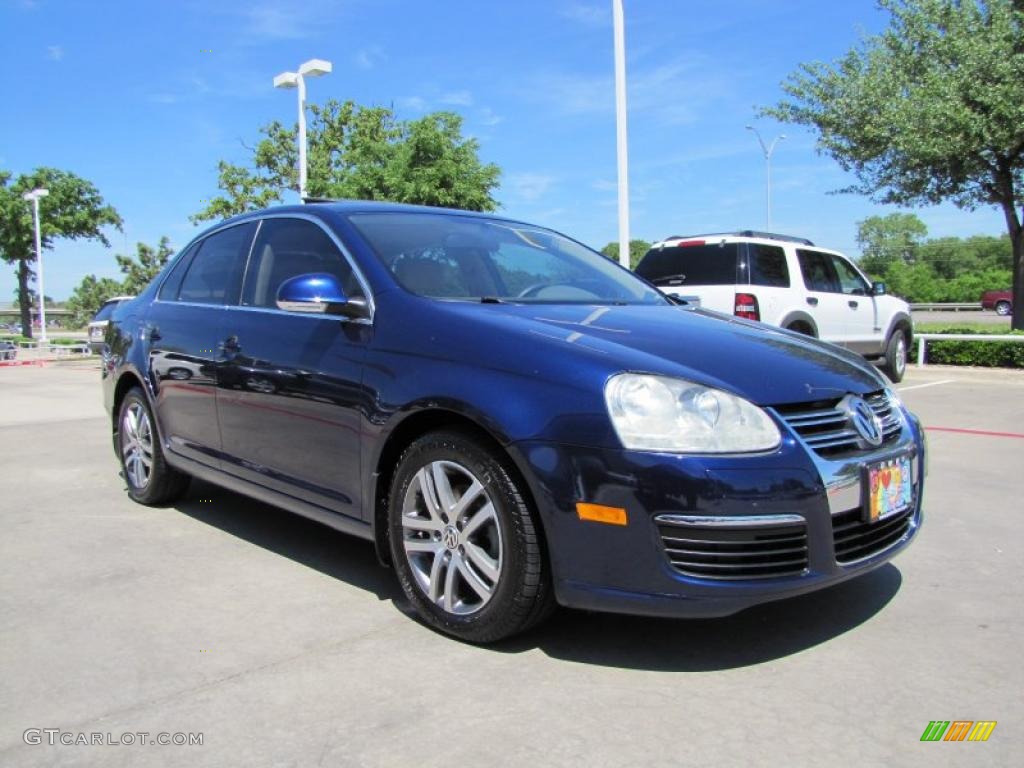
x=465 y=545
x=896 y=357
x=1003 y=308
x=150 y=479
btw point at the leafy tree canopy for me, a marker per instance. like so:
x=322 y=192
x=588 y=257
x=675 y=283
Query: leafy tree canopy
x=931 y=109
x=637 y=249
x=361 y=153
x=73 y=209
x=144 y=266
x=89 y=296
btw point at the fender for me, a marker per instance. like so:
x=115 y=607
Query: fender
x=898 y=319
x=798 y=316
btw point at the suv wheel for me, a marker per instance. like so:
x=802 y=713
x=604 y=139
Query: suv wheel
x=463 y=540
x=1002 y=308
x=896 y=357
x=150 y=480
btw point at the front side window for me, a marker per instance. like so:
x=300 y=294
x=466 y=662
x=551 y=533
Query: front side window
x=286 y=248
x=215 y=273
x=768 y=266
x=850 y=280
x=819 y=275
x=470 y=258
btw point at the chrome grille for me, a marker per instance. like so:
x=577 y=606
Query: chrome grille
x=736 y=551
x=827 y=429
x=855 y=539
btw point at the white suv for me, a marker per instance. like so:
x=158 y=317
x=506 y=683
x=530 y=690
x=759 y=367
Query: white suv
x=787 y=282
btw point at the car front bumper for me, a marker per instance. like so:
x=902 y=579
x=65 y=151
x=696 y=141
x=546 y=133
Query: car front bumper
x=791 y=503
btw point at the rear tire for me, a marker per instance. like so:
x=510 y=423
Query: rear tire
x=1003 y=308
x=149 y=478
x=464 y=542
x=803 y=328
x=896 y=357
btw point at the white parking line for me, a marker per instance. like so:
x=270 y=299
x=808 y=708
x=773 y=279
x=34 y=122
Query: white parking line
x=922 y=386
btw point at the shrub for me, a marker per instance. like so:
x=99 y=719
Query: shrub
x=987 y=354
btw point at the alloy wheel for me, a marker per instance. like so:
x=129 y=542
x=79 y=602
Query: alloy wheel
x=137 y=445
x=451 y=537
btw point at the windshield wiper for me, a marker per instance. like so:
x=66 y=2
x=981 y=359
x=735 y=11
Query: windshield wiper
x=668 y=279
x=491 y=300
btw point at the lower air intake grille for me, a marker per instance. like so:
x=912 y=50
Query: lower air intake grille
x=854 y=539
x=735 y=552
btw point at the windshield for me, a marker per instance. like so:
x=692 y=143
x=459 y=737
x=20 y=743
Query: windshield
x=447 y=256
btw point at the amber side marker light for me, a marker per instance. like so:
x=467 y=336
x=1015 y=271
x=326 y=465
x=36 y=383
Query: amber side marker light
x=599 y=513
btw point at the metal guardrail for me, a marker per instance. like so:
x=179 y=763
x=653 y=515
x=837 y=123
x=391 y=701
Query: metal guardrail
x=923 y=338
x=947 y=306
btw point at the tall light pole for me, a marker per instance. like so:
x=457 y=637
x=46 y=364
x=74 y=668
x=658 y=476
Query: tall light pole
x=767 y=149
x=312 y=68
x=622 y=148
x=33 y=197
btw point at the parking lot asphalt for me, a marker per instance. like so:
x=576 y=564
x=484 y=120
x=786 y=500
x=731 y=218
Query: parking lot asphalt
x=285 y=644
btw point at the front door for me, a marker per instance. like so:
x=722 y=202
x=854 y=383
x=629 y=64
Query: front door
x=289 y=386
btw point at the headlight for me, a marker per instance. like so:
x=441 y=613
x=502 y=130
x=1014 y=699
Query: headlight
x=658 y=413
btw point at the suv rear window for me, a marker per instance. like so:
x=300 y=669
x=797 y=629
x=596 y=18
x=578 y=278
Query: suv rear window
x=690 y=265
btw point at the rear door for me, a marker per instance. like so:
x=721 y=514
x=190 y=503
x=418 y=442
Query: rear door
x=696 y=270
x=183 y=327
x=290 y=396
x=823 y=295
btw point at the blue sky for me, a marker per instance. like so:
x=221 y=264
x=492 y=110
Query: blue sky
x=143 y=99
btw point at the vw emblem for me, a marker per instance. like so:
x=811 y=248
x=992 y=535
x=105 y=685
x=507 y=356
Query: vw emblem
x=450 y=537
x=864 y=420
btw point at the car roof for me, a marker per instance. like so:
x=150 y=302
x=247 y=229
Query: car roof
x=746 y=236
x=346 y=207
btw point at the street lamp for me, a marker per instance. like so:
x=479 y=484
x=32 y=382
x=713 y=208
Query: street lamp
x=622 y=147
x=768 y=149
x=312 y=68
x=33 y=197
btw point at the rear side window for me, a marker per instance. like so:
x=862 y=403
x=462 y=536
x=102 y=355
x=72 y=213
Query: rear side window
x=818 y=272
x=768 y=266
x=171 y=286
x=286 y=248
x=215 y=274
x=691 y=265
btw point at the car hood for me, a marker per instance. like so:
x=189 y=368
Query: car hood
x=764 y=364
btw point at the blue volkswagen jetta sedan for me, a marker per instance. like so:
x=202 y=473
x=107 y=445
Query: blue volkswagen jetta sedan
x=514 y=420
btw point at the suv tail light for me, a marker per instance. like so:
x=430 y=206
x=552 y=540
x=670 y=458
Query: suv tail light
x=746 y=306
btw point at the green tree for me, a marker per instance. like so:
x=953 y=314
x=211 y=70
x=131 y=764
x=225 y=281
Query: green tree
x=883 y=239
x=140 y=269
x=74 y=209
x=361 y=153
x=929 y=110
x=637 y=249
x=89 y=296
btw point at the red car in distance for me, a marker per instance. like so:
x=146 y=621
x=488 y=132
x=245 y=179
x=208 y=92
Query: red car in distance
x=1000 y=301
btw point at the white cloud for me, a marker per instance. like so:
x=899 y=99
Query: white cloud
x=368 y=58
x=457 y=99
x=272 y=20
x=413 y=103
x=55 y=52
x=530 y=186
x=677 y=91
x=487 y=116
x=584 y=13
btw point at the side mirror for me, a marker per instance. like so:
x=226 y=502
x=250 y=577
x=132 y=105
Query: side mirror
x=878 y=289
x=318 y=293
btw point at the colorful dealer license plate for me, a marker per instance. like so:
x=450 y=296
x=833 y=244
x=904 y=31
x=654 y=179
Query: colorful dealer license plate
x=890 y=488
